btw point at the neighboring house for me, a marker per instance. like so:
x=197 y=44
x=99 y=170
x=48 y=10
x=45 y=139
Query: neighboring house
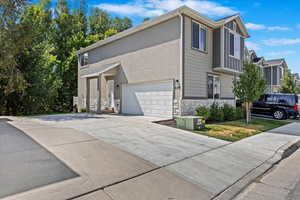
x=297 y=79
x=274 y=72
x=166 y=66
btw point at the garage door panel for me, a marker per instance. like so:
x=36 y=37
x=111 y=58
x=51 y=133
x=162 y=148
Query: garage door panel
x=154 y=99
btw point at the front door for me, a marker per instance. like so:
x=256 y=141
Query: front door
x=93 y=92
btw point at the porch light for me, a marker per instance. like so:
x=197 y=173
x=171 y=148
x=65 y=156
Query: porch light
x=177 y=84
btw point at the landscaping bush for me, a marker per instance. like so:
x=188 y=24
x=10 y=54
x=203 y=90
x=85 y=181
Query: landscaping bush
x=83 y=110
x=240 y=113
x=217 y=114
x=203 y=112
x=229 y=112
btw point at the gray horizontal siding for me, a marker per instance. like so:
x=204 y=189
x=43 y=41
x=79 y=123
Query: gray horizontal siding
x=196 y=63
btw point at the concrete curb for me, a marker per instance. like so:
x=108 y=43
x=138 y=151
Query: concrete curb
x=283 y=152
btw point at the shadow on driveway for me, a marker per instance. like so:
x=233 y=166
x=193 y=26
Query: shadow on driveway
x=24 y=164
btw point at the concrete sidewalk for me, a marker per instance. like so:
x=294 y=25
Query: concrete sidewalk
x=282 y=182
x=224 y=171
x=216 y=170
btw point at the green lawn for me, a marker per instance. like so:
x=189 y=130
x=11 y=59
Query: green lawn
x=236 y=130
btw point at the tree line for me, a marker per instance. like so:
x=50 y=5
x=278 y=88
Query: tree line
x=38 y=44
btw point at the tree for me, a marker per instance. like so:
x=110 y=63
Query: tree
x=14 y=37
x=99 y=21
x=121 y=24
x=146 y=19
x=249 y=87
x=289 y=84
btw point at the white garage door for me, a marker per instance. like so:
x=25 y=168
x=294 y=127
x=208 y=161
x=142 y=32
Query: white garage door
x=151 y=99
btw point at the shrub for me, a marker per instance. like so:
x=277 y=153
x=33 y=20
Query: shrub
x=83 y=109
x=240 y=113
x=216 y=113
x=203 y=112
x=229 y=112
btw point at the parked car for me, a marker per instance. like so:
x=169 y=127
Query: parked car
x=280 y=106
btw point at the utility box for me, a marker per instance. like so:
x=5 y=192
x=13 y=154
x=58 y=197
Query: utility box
x=190 y=122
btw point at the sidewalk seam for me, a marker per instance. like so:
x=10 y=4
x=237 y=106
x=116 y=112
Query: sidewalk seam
x=277 y=152
x=144 y=173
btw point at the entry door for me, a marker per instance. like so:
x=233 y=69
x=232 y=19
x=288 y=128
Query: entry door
x=93 y=94
x=150 y=99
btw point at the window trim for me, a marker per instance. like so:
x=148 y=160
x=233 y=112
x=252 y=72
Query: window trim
x=214 y=77
x=201 y=26
x=82 y=58
x=234 y=35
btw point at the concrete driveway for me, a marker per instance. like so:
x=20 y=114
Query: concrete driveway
x=138 y=135
x=129 y=157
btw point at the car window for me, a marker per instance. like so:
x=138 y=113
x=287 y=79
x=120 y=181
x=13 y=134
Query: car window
x=269 y=98
x=282 y=100
x=290 y=100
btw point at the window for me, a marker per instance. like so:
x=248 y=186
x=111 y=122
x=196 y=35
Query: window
x=213 y=87
x=199 y=37
x=234 y=26
x=281 y=73
x=235 y=45
x=269 y=98
x=84 y=59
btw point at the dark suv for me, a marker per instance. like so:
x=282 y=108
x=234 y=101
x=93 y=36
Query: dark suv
x=280 y=106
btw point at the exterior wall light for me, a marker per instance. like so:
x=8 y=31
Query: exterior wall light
x=177 y=84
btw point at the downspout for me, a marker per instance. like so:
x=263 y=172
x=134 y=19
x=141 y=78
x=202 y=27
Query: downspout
x=181 y=95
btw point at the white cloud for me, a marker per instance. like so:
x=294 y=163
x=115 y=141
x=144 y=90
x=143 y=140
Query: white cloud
x=255 y=27
x=152 y=8
x=252 y=26
x=252 y=46
x=281 y=41
x=298 y=26
x=281 y=53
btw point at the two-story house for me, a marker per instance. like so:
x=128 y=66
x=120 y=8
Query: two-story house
x=272 y=70
x=167 y=66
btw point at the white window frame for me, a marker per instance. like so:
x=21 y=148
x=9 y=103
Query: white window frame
x=214 y=87
x=236 y=44
x=201 y=26
x=85 y=58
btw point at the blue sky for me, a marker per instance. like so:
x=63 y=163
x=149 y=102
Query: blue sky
x=274 y=25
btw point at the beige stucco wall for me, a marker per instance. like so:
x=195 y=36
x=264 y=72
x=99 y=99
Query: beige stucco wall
x=150 y=55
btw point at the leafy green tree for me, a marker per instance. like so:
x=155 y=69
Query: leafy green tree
x=289 y=84
x=146 y=19
x=39 y=61
x=121 y=24
x=14 y=38
x=249 y=87
x=99 y=21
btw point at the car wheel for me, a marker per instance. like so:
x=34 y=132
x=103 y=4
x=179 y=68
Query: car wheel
x=279 y=114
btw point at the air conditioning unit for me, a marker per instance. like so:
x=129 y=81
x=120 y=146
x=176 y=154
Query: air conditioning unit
x=190 y=122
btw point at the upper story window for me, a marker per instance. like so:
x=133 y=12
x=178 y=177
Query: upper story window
x=235 y=45
x=281 y=73
x=84 y=59
x=199 y=37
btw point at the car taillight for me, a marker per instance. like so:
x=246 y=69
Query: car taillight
x=296 y=107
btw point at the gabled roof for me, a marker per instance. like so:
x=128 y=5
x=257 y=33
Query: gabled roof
x=183 y=10
x=239 y=21
x=275 y=62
